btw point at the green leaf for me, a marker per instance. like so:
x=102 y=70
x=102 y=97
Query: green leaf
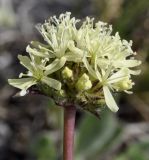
x=95 y=136
x=136 y=151
x=43 y=147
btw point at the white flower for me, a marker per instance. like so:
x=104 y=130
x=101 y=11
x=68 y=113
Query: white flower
x=38 y=71
x=60 y=33
x=99 y=61
x=112 y=79
x=107 y=58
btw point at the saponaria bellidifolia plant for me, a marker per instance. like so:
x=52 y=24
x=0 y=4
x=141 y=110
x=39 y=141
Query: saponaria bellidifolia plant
x=81 y=62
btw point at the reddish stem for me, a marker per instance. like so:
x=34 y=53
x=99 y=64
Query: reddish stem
x=69 y=127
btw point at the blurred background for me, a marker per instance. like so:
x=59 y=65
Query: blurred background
x=31 y=126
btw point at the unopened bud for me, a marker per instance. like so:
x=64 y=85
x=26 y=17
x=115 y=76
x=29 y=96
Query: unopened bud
x=101 y=102
x=67 y=73
x=62 y=93
x=125 y=84
x=84 y=83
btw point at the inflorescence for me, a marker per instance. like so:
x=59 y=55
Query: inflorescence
x=81 y=63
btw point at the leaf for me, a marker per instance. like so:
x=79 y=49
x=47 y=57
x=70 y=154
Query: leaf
x=95 y=136
x=135 y=151
x=43 y=147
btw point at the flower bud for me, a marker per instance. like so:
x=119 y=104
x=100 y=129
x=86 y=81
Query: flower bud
x=83 y=83
x=125 y=84
x=67 y=73
x=62 y=93
x=101 y=102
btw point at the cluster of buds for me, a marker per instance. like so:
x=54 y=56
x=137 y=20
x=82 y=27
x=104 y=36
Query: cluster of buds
x=81 y=63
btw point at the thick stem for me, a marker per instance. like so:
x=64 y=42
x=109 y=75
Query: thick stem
x=69 y=128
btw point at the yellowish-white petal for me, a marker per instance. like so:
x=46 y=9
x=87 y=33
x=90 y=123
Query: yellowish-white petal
x=127 y=63
x=96 y=69
x=134 y=72
x=35 y=52
x=119 y=75
x=89 y=68
x=109 y=99
x=73 y=57
x=55 y=65
x=23 y=83
x=52 y=83
x=26 y=62
x=74 y=49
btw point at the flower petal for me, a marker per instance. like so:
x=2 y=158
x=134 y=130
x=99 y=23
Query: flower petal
x=134 y=72
x=89 y=68
x=74 y=49
x=119 y=75
x=52 y=83
x=43 y=48
x=23 y=92
x=23 y=83
x=26 y=62
x=73 y=58
x=43 y=32
x=127 y=63
x=109 y=99
x=96 y=69
x=35 y=52
x=55 y=65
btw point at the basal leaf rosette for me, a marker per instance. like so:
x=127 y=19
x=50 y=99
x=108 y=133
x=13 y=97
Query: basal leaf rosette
x=80 y=63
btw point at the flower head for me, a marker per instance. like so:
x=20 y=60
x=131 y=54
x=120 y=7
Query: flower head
x=87 y=63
